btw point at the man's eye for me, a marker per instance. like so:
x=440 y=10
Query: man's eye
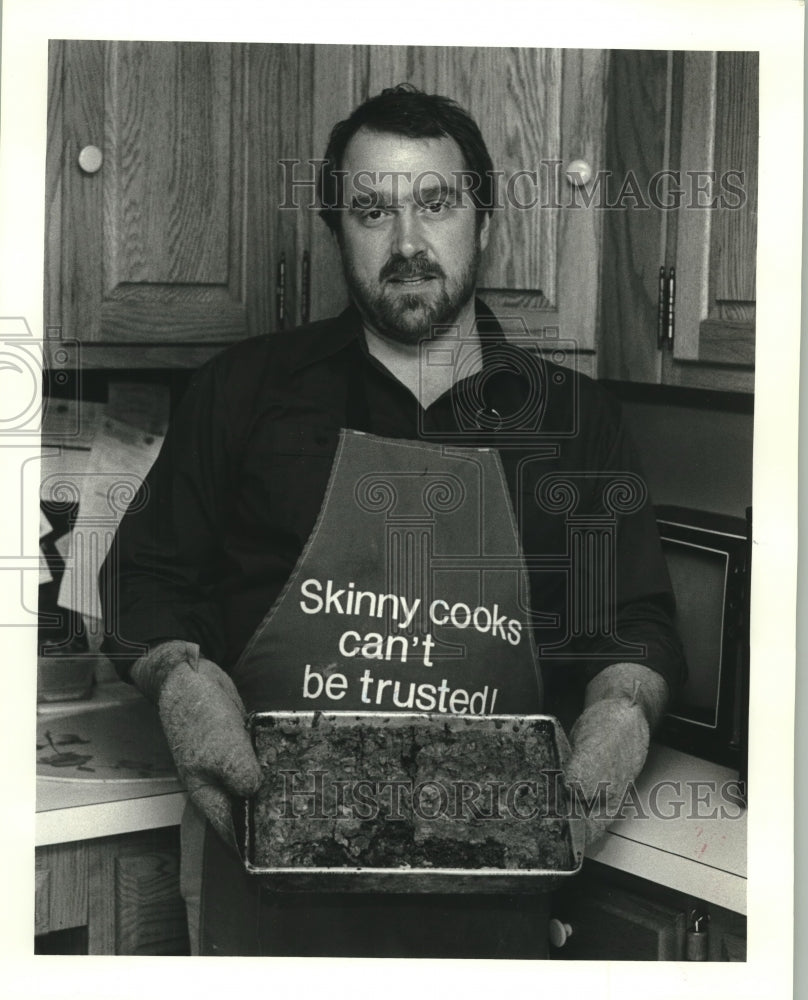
x=373 y=216
x=436 y=207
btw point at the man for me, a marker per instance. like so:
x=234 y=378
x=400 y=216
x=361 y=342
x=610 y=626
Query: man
x=280 y=491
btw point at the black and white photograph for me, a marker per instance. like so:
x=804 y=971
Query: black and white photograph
x=416 y=498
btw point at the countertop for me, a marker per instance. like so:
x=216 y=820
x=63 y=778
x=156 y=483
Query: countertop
x=686 y=830
x=693 y=839
x=80 y=810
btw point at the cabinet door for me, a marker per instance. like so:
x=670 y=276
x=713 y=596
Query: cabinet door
x=634 y=237
x=681 y=149
x=163 y=173
x=537 y=110
x=134 y=905
x=612 y=924
x=716 y=244
x=60 y=887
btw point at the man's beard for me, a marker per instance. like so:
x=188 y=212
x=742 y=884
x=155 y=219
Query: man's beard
x=409 y=317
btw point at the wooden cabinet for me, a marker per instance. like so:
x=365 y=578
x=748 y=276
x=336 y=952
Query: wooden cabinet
x=60 y=887
x=123 y=891
x=336 y=83
x=611 y=924
x=681 y=148
x=169 y=226
x=181 y=215
x=715 y=246
x=611 y=916
x=122 y=894
x=165 y=237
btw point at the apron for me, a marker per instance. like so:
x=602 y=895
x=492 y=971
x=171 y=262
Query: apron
x=411 y=594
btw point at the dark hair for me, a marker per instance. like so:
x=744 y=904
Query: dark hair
x=405 y=110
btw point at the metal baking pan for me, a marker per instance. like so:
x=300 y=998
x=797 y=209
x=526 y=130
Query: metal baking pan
x=292 y=813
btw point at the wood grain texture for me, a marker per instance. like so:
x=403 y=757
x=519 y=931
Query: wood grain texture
x=101 y=915
x=734 y=236
x=389 y=65
x=54 y=165
x=153 y=321
x=273 y=101
x=41 y=901
x=150 y=913
x=82 y=217
x=702 y=375
x=161 y=225
x=169 y=165
x=633 y=240
x=578 y=251
x=672 y=111
x=735 y=312
x=515 y=97
x=534 y=107
x=694 y=224
x=307 y=220
x=339 y=83
x=65 y=898
x=178 y=237
x=717 y=245
x=728 y=343
x=134 y=905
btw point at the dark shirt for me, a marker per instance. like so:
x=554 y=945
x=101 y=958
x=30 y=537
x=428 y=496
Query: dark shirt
x=224 y=513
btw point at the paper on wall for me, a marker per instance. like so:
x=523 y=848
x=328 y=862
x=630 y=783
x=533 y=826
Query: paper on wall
x=62 y=546
x=118 y=463
x=45 y=528
x=45 y=575
x=62 y=473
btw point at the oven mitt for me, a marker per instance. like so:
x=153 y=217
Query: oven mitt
x=609 y=744
x=203 y=719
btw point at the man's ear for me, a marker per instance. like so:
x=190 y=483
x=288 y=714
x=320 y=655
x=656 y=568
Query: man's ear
x=485 y=227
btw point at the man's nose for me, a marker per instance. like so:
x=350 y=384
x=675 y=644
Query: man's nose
x=408 y=237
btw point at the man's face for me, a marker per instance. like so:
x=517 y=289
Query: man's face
x=410 y=239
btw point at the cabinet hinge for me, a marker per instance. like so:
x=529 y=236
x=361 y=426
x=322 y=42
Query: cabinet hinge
x=305 y=287
x=280 y=294
x=666 y=310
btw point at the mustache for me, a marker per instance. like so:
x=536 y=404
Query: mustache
x=410 y=267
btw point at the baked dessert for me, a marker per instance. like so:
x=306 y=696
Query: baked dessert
x=402 y=791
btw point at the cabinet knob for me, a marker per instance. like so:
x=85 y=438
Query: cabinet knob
x=559 y=933
x=90 y=159
x=578 y=172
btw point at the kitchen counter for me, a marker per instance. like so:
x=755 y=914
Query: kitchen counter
x=73 y=810
x=686 y=833
x=697 y=842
